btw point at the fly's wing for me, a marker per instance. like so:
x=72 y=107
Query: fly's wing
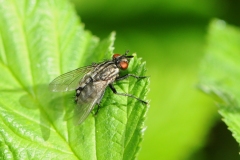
x=70 y=80
x=93 y=93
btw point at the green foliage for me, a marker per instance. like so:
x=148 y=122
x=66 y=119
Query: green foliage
x=220 y=72
x=170 y=36
x=39 y=41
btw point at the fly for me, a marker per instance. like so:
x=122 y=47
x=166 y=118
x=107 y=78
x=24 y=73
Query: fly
x=90 y=83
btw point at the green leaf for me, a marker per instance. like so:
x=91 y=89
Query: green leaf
x=39 y=41
x=220 y=72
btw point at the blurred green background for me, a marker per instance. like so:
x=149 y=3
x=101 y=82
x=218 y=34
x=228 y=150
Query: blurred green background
x=182 y=122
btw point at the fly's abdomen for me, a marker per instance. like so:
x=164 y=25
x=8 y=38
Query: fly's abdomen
x=86 y=94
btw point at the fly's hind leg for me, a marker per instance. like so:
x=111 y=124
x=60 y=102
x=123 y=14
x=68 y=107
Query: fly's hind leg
x=125 y=94
x=130 y=75
x=95 y=114
x=98 y=104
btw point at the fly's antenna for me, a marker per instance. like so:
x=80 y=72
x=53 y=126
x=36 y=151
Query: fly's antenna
x=125 y=55
x=127 y=51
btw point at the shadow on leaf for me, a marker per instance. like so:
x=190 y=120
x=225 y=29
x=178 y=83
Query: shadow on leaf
x=54 y=108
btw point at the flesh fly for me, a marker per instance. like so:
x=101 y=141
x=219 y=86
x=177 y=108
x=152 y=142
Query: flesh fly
x=90 y=83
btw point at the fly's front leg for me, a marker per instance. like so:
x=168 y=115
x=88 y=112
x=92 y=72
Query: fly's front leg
x=125 y=94
x=130 y=75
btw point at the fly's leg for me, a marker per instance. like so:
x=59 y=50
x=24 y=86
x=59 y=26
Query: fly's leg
x=125 y=94
x=130 y=75
x=95 y=114
x=98 y=103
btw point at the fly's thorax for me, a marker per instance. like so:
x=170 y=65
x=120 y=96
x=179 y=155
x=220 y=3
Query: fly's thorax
x=105 y=71
x=108 y=73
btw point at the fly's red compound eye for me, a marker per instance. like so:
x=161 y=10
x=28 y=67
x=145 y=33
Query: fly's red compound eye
x=123 y=65
x=115 y=56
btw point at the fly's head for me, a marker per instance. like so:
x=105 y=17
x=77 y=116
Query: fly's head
x=121 y=61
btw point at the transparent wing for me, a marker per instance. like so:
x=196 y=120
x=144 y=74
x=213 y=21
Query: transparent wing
x=70 y=80
x=85 y=105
